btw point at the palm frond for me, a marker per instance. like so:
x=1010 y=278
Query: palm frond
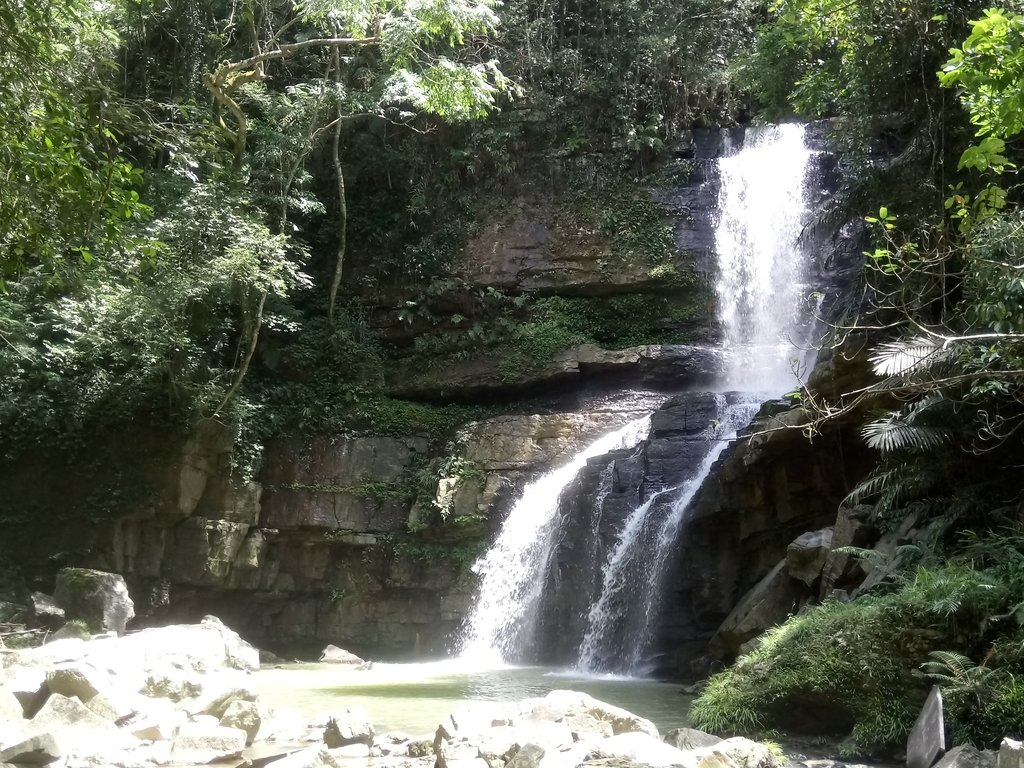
x=870 y=486
x=896 y=433
x=905 y=356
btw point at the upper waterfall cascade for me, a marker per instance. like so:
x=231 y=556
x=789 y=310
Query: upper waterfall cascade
x=762 y=268
x=762 y=290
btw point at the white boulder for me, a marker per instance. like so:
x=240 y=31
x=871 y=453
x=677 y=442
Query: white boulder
x=204 y=743
x=332 y=654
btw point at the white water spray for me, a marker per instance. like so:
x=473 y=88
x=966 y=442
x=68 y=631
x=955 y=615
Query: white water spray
x=762 y=209
x=512 y=572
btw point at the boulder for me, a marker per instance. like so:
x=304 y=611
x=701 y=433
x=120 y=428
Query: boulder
x=158 y=722
x=204 y=743
x=570 y=704
x=98 y=690
x=807 y=554
x=38 y=749
x=690 y=738
x=73 y=630
x=927 y=738
x=736 y=752
x=528 y=756
x=640 y=747
x=966 y=756
x=851 y=529
x=219 y=691
x=332 y=654
x=10 y=707
x=11 y=613
x=767 y=604
x=65 y=727
x=98 y=598
x=352 y=726
x=27 y=686
x=44 y=611
x=244 y=715
x=1011 y=754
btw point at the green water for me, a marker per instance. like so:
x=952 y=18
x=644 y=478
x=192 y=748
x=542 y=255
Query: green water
x=414 y=698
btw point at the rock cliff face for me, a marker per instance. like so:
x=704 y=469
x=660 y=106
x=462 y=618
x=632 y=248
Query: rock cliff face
x=320 y=549
x=766 y=490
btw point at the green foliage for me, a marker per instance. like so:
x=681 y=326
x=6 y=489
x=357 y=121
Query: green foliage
x=987 y=69
x=414 y=546
x=828 y=57
x=70 y=189
x=855 y=659
x=622 y=215
x=527 y=332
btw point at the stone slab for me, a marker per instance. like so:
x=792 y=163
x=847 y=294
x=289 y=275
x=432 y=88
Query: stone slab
x=927 y=738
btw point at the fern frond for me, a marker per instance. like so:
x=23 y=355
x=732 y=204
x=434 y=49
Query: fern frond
x=949 y=665
x=904 y=356
x=872 y=557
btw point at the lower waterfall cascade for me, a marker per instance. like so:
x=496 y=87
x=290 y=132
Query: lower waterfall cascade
x=619 y=623
x=763 y=293
x=511 y=572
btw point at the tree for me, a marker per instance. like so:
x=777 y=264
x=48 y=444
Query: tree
x=428 y=60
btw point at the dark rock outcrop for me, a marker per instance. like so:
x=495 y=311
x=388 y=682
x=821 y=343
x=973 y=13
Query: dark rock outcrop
x=99 y=599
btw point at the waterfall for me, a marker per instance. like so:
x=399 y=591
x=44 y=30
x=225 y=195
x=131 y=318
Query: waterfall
x=619 y=627
x=512 y=571
x=761 y=287
x=762 y=209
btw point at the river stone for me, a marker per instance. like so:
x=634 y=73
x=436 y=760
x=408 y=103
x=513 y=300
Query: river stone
x=690 y=738
x=44 y=611
x=736 y=752
x=332 y=654
x=204 y=743
x=1011 y=754
x=927 y=738
x=98 y=598
x=640 y=747
x=529 y=756
x=967 y=756
x=807 y=554
x=352 y=726
x=244 y=715
x=97 y=690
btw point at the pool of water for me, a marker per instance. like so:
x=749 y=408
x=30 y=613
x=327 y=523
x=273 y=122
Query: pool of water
x=415 y=698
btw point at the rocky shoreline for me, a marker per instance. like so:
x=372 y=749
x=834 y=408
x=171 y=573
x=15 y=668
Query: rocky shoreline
x=183 y=695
